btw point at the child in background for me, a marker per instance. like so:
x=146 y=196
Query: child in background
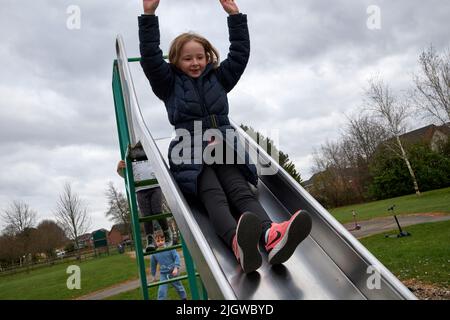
x=194 y=87
x=169 y=266
x=149 y=199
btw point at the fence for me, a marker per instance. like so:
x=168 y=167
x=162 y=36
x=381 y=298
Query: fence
x=73 y=256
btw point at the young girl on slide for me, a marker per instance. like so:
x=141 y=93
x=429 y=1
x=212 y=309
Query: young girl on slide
x=194 y=87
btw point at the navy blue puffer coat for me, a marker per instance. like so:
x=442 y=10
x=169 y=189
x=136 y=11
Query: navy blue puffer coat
x=188 y=99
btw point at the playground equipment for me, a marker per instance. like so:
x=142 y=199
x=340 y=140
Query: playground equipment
x=100 y=241
x=131 y=150
x=401 y=232
x=329 y=264
x=357 y=226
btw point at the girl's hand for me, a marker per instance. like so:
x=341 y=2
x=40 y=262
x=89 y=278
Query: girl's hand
x=150 y=6
x=120 y=167
x=229 y=6
x=175 y=272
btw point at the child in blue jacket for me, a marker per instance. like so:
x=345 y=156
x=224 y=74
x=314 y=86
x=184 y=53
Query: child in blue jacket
x=194 y=87
x=169 y=266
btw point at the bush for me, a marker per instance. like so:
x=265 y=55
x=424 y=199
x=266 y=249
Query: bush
x=391 y=177
x=70 y=247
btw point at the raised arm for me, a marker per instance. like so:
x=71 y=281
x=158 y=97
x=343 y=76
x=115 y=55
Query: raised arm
x=150 y=6
x=156 y=69
x=231 y=69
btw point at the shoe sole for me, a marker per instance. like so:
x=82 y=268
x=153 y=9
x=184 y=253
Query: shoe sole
x=248 y=232
x=298 y=230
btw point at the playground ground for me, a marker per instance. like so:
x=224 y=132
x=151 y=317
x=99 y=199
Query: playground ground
x=420 y=261
x=124 y=286
x=385 y=224
x=371 y=227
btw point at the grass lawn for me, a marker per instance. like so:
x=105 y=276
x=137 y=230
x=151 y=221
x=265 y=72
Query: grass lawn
x=50 y=282
x=430 y=201
x=424 y=256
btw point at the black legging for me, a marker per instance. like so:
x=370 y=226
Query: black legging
x=215 y=184
x=150 y=203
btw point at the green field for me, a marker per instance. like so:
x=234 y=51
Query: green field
x=436 y=201
x=424 y=256
x=50 y=282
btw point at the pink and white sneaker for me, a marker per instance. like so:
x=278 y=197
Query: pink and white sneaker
x=283 y=238
x=245 y=242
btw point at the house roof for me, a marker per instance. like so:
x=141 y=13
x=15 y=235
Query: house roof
x=102 y=229
x=424 y=134
x=420 y=135
x=84 y=237
x=121 y=227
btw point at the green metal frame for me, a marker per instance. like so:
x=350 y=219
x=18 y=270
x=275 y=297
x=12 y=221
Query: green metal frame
x=124 y=143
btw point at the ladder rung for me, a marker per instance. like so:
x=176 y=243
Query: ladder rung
x=145 y=183
x=139 y=58
x=154 y=284
x=162 y=250
x=155 y=217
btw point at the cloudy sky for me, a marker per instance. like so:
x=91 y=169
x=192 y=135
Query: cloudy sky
x=310 y=60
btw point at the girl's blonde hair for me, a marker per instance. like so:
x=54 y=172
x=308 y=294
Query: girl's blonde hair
x=175 y=48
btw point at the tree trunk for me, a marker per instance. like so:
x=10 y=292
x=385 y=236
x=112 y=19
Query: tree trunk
x=78 y=249
x=411 y=171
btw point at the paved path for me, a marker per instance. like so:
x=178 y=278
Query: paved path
x=379 y=225
x=368 y=227
x=112 y=291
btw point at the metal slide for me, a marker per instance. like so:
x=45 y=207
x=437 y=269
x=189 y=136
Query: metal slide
x=329 y=264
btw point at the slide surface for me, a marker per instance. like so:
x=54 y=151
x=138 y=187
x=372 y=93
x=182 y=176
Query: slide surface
x=329 y=264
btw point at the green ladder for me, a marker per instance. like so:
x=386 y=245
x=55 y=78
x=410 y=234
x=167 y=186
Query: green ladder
x=126 y=151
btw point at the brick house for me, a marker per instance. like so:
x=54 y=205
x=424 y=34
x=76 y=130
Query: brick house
x=118 y=234
x=431 y=135
x=85 y=241
x=334 y=180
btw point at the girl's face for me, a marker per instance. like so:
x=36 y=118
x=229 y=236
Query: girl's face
x=192 y=59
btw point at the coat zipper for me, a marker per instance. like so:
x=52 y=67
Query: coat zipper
x=202 y=102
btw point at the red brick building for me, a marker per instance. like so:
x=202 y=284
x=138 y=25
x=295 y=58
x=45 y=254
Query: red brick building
x=85 y=241
x=118 y=234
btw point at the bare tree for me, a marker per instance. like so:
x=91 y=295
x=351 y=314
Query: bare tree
x=71 y=214
x=118 y=210
x=365 y=135
x=10 y=251
x=382 y=102
x=331 y=167
x=432 y=85
x=20 y=220
x=19 y=216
